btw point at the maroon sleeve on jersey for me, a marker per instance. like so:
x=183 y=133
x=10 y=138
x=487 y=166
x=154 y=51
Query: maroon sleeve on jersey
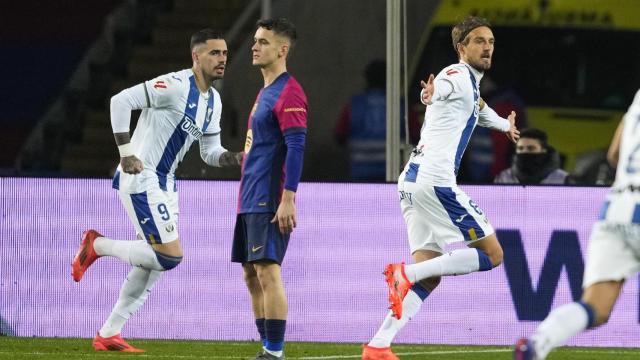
x=291 y=108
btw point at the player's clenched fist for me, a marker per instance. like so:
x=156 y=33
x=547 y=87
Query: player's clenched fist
x=131 y=165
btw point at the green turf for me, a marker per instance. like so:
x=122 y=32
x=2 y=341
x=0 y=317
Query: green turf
x=68 y=349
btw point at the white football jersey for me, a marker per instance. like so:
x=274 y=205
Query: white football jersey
x=623 y=202
x=628 y=171
x=448 y=125
x=177 y=114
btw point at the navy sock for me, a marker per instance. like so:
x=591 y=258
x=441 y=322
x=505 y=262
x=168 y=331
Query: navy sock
x=260 y=326
x=275 y=334
x=420 y=291
x=485 y=262
x=591 y=316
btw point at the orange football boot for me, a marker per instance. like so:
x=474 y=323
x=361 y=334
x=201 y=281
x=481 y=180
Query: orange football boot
x=398 y=285
x=374 y=353
x=85 y=256
x=113 y=343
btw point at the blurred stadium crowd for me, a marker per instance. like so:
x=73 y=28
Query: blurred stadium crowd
x=61 y=70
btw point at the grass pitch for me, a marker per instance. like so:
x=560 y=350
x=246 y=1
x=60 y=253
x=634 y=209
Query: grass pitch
x=69 y=349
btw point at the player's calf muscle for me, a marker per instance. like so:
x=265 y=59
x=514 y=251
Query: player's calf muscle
x=430 y=284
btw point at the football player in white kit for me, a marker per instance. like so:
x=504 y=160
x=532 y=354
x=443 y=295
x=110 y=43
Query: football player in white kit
x=435 y=210
x=613 y=254
x=177 y=109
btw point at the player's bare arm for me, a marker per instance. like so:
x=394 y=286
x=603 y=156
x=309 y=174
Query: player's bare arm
x=229 y=158
x=614 y=149
x=130 y=164
x=286 y=215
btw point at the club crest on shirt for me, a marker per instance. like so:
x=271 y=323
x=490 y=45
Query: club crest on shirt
x=248 y=142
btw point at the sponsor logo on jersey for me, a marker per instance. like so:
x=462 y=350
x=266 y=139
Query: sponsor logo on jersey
x=254 y=108
x=169 y=228
x=144 y=221
x=452 y=71
x=295 y=109
x=190 y=128
x=192 y=105
x=160 y=85
x=458 y=220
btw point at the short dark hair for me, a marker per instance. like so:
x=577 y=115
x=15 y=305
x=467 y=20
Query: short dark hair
x=281 y=27
x=201 y=36
x=537 y=134
x=462 y=29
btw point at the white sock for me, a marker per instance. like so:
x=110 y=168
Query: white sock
x=561 y=324
x=391 y=326
x=133 y=252
x=457 y=262
x=133 y=294
x=274 y=353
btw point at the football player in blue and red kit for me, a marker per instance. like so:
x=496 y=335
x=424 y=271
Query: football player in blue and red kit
x=271 y=170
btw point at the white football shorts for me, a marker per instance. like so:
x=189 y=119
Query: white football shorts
x=613 y=253
x=437 y=216
x=154 y=214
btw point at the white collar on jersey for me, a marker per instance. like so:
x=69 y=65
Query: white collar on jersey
x=476 y=73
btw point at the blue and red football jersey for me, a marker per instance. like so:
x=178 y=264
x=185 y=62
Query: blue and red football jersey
x=280 y=109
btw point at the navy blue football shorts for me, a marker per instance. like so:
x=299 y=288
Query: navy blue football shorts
x=256 y=239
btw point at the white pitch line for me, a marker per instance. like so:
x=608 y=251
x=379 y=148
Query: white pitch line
x=328 y=357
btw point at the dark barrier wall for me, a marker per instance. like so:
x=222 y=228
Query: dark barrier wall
x=42 y=43
x=346 y=234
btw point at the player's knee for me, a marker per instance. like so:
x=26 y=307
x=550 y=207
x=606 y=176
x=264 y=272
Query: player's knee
x=251 y=279
x=168 y=262
x=496 y=257
x=267 y=277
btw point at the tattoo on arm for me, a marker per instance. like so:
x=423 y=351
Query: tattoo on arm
x=122 y=138
x=229 y=158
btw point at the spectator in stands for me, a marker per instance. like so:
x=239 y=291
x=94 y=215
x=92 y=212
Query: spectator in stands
x=535 y=162
x=362 y=126
x=489 y=150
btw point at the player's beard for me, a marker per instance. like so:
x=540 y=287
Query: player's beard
x=215 y=76
x=482 y=65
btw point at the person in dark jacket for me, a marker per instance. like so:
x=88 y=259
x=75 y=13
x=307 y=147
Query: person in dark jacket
x=535 y=162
